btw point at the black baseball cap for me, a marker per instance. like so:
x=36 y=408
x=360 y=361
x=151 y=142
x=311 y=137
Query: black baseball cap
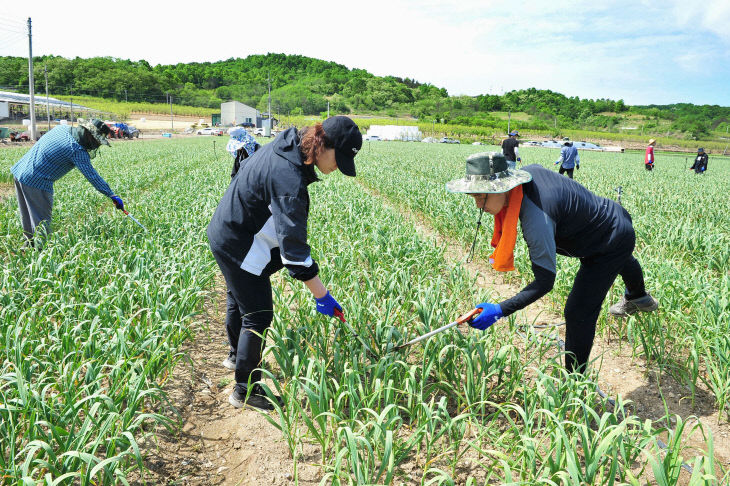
x=347 y=140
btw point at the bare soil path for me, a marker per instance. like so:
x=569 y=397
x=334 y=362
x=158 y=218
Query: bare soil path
x=219 y=445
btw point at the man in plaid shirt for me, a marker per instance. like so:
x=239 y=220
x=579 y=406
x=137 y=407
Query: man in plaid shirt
x=52 y=157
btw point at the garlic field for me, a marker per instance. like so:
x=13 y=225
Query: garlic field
x=91 y=327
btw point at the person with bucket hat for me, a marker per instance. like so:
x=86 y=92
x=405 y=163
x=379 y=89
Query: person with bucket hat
x=558 y=216
x=260 y=226
x=241 y=146
x=569 y=159
x=649 y=155
x=700 y=163
x=510 y=149
x=53 y=156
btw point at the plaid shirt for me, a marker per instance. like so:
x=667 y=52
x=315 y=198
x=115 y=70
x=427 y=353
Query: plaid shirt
x=52 y=157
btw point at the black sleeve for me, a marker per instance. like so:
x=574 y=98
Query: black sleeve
x=290 y=220
x=543 y=283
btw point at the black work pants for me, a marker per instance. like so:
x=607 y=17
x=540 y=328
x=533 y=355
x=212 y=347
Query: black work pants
x=592 y=282
x=249 y=314
x=569 y=171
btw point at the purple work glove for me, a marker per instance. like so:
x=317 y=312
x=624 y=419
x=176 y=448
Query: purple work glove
x=488 y=316
x=326 y=305
x=117 y=202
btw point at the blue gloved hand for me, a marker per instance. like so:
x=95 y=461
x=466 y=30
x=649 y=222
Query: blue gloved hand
x=519 y=159
x=557 y=162
x=489 y=315
x=118 y=202
x=326 y=305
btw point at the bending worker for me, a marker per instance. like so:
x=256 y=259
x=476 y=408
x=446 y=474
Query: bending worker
x=700 y=163
x=52 y=157
x=557 y=216
x=260 y=226
x=241 y=146
x=569 y=159
x=510 y=149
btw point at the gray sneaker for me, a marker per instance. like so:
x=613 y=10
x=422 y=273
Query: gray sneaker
x=229 y=362
x=625 y=307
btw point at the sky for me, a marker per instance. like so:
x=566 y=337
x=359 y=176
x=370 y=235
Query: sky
x=644 y=52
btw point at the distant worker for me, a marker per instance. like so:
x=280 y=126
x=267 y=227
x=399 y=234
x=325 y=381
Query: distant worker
x=569 y=158
x=260 y=227
x=557 y=216
x=649 y=156
x=510 y=149
x=241 y=146
x=52 y=157
x=700 y=164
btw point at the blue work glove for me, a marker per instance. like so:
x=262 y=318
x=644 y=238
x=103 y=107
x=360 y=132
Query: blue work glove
x=519 y=159
x=118 y=202
x=326 y=305
x=557 y=162
x=489 y=315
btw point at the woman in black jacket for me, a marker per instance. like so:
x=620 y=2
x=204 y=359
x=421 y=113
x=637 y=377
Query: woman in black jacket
x=260 y=226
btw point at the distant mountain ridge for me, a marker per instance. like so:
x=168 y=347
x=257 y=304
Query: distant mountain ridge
x=304 y=85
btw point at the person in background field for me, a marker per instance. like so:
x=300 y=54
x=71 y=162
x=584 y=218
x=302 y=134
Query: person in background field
x=569 y=158
x=557 y=216
x=700 y=163
x=241 y=146
x=260 y=226
x=510 y=149
x=649 y=156
x=53 y=156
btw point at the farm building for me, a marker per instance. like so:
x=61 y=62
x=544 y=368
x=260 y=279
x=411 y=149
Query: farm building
x=16 y=106
x=396 y=132
x=236 y=113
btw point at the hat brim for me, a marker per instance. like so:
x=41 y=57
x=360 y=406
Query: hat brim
x=345 y=162
x=493 y=186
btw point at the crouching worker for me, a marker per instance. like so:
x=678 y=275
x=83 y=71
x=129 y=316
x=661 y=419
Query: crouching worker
x=557 y=216
x=260 y=226
x=241 y=146
x=52 y=157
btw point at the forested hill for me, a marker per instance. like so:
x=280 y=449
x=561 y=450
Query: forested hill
x=303 y=85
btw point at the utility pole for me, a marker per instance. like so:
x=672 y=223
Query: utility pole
x=509 y=120
x=172 y=123
x=125 y=96
x=328 y=109
x=72 y=106
x=31 y=82
x=268 y=79
x=48 y=106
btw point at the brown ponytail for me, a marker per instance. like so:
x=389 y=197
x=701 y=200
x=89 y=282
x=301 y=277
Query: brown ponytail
x=313 y=142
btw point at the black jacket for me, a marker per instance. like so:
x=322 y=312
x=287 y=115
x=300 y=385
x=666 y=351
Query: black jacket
x=261 y=221
x=700 y=164
x=560 y=216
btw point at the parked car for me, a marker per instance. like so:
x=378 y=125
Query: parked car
x=372 y=138
x=210 y=131
x=132 y=132
x=448 y=140
x=259 y=131
x=246 y=125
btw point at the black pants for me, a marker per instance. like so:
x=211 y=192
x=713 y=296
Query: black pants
x=649 y=166
x=592 y=282
x=249 y=314
x=569 y=171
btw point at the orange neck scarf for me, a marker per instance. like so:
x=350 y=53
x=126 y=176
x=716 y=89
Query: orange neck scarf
x=505 y=233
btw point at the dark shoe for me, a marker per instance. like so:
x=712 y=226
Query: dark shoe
x=230 y=362
x=256 y=399
x=626 y=307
